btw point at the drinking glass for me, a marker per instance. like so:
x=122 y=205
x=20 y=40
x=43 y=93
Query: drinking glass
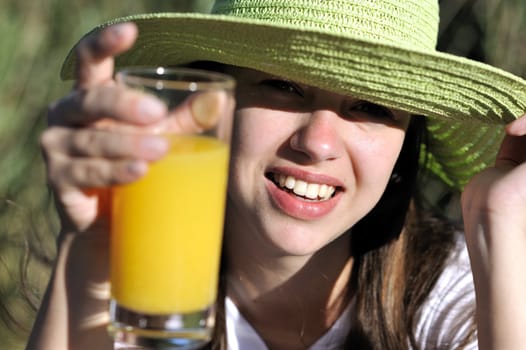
x=166 y=228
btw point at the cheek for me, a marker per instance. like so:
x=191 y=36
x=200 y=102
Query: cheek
x=255 y=133
x=252 y=143
x=375 y=155
x=256 y=137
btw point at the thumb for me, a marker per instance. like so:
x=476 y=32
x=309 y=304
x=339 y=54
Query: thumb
x=201 y=112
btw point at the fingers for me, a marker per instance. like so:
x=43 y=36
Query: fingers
x=93 y=158
x=85 y=173
x=95 y=53
x=103 y=143
x=96 y=96
x=517 y=127
x=84 y=107
x=116 y=153
x=513 y=148
x=103 y=133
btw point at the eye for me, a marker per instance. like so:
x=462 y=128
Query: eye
x=371 y=110
x=283 y=86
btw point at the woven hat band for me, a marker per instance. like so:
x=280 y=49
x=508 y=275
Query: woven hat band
x=412 y=23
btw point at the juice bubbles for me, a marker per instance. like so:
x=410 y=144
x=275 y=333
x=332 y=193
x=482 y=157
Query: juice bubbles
x=167 y=230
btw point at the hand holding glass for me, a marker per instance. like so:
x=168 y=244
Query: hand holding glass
x=167 y=227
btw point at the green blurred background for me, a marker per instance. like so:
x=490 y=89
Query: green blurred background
x=35 y=36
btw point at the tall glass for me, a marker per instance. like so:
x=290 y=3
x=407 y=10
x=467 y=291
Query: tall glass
x=166 y=228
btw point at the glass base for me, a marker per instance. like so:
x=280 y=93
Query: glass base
x=185 y=331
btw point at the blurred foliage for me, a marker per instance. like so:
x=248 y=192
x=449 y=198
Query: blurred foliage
x=505 y=28
x=35 y=36
x=492 y=31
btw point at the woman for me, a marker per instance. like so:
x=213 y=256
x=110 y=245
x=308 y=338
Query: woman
x=327 y=96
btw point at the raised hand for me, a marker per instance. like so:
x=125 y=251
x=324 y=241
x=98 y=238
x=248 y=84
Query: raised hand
x=494 y=209
x=84 y=152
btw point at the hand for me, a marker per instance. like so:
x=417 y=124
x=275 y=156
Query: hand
x=494 y=209
x=102 y=134
x=500 y=191
x=83 y=159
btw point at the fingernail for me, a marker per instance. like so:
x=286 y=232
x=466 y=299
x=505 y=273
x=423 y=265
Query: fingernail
x=137 y=168
x=154 y=146
x=118 y=29
x=207 y=107
x=150 y=109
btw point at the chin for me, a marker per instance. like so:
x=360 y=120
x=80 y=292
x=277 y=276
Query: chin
x=300 y=243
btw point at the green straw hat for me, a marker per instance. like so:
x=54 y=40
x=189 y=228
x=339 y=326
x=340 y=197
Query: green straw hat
x=378 y=50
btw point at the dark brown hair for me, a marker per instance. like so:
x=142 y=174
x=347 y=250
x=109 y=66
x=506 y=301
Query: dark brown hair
x=400 y=250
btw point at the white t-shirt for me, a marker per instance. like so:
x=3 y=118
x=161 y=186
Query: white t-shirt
x=443 y=322
x=447 y=316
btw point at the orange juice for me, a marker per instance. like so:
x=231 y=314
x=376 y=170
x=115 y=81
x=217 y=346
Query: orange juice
x=167 y=230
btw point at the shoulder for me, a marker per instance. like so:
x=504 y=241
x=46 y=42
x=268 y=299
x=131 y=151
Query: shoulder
x=446 y=319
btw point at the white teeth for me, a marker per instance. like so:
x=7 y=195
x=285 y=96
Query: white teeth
x=281 y=180
x=312 y=191
x=290 y=182
x=322 y=192
x=304 y=189
x=301 y=188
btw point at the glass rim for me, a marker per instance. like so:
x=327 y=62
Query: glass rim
x=159 y=78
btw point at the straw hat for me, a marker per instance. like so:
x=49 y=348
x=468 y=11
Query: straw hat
x=378 y=50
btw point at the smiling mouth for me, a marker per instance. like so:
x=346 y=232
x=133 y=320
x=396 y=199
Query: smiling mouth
x=306 y=190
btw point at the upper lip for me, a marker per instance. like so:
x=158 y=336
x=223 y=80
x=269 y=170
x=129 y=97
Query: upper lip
x=308 y=176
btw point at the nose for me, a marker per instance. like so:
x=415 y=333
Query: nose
x=318 y=138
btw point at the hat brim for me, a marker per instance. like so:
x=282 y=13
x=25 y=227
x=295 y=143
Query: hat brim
x=447 y=88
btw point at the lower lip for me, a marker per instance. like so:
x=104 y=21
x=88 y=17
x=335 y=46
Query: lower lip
x=298 y=208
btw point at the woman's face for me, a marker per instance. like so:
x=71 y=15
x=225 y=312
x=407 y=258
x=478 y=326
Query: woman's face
x=306 y=164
